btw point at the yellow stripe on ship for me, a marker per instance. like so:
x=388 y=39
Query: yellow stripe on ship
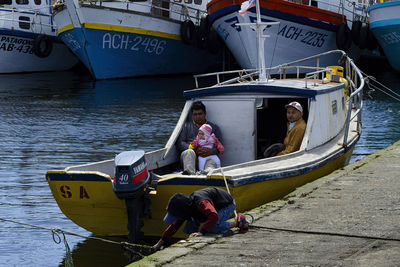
x=105 y=27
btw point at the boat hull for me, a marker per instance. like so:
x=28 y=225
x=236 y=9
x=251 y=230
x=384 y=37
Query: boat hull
x=21 y=26
x=141 y=45
x=89 y=201
x=303 y=31
x=17 y=50
x=385 y=25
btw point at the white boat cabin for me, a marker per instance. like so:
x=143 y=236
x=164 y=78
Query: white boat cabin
x=249 y=123
x=27 y=15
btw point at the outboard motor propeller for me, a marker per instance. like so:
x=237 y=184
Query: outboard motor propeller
x=131 y=182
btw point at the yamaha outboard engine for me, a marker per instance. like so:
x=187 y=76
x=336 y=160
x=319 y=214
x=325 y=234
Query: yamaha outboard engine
x=131 y=182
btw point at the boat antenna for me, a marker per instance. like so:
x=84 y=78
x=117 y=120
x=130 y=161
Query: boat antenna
x=259 y=27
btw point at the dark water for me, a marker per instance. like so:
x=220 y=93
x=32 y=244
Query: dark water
x=53 y=120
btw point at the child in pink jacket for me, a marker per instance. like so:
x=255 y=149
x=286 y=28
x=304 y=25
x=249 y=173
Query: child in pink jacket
x=205 y=138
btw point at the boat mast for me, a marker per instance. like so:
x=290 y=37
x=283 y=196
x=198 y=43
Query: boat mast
x=260 y=45
x=259 y=27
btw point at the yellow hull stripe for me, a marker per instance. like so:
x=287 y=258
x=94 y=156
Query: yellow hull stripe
x=65 y=28
x=105 y=27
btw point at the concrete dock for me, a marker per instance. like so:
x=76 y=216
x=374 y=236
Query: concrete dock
x=348 y=218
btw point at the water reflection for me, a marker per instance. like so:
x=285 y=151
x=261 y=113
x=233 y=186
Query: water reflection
x=53 y=120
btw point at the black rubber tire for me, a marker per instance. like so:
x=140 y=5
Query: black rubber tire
x=372 y=43
x=363 y=40
x=204 y=25
x=203 y=32
x=355 y=31
x=187 y=32
x=343 y=37
x=42 y=46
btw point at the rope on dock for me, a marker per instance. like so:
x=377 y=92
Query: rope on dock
x=56 y=232
x=324 y=233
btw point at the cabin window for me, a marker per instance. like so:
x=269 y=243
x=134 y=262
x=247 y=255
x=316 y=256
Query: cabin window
x=38 y=2
x=334 y=106
x=272 y=121
x=188 y=1
x=314 y=3
x=197 y=2
x=177 y=1
x=24 y=22
x=22 y=2
x=5 y=2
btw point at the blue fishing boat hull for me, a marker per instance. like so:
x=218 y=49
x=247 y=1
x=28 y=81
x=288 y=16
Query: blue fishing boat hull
x=385 y=25
x=108 y=54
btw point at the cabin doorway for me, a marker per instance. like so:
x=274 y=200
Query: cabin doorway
x=271 y=121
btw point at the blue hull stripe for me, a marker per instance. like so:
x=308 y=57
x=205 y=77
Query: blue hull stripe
x=276 y=14
x=309 y=93
x=88 y=177
x=385 y=23
x=24 y=34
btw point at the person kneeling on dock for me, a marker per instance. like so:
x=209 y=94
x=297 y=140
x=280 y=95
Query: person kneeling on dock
x=296 y=128
x=210 y=207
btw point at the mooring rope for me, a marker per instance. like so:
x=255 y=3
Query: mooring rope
x=227 y=188
x=323 y=233
x=57 y=239
x=374 y=84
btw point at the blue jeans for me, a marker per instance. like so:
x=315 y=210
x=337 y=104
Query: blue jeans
x=221 y=227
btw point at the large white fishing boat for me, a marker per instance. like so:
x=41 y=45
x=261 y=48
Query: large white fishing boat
x=28 y=41
x=116 y=39
x=306 y=28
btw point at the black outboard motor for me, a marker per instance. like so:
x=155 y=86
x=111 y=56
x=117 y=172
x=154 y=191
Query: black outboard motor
x=131 y=182
x=131 y=174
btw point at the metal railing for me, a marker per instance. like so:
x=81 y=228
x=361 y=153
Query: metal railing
x=10 y=14
x=185 y=11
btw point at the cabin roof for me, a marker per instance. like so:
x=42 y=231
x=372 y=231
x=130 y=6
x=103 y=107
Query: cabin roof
x=292 y=87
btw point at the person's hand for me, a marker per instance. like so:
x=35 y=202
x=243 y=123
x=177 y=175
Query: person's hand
x=205 y=151
x=158 y=245
x=195 y=234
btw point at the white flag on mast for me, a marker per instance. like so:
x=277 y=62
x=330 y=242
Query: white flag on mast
x=246 y=5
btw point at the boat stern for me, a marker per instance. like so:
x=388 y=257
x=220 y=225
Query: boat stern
x=87 y=198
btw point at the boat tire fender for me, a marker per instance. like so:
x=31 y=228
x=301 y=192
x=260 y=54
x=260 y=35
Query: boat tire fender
x=204 y=26
x=202 y=32
x=363 y=41
x=343 y=37
x=372 y=43
x=187 y=31
x=42 y=46
x=355 y=31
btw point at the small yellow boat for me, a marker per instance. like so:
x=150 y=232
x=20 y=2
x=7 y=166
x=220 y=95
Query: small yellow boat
x=332 y=109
